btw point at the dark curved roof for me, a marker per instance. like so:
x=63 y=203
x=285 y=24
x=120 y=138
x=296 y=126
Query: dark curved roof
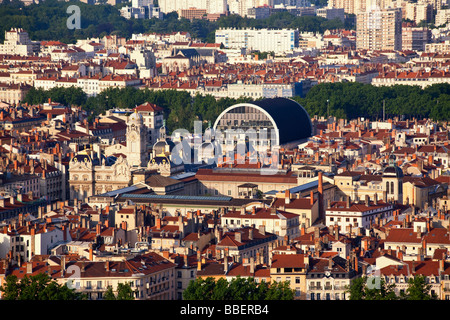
x=392 y=170
x=291 y=118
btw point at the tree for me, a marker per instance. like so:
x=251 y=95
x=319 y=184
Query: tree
x=360 y=290
x=418 y=289
x=37 y=287
x=109 y=294
x=124 y=292
x=238 y=288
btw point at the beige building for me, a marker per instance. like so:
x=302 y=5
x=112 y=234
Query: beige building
x=237 y=184
x=150 y=275
x=379 y=29
x=17 y=42
x=89 y=175
x=13 y=93
x=245 y=242
x=292 y=268
x=356 y=215
x=422 y=191
x=329 y=276
x=92 y=173
x=442 y=17
x=282 y=223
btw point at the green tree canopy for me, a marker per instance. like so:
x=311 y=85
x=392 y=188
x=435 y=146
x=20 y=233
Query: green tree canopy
x=418 y=289
x=238 y=288
x=360 y=289
x=37 y=287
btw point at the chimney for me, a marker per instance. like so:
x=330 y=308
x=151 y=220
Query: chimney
x=250 y=234
x=262 y=229
x=287 y=196
x=29 y=267
x=316 y=233
x=238 y=236
x=225 y=264
x=158 y=223
x=252 y=265
x=311 y=198
x=91 y=252
x=63 y=265
x=347 y=202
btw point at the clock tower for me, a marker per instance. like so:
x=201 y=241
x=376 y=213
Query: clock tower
x=136 y=141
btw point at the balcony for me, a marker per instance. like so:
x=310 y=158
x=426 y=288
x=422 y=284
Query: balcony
x=315 y=287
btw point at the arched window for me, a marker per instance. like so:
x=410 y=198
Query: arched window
x=392 y=187
x=387 y=187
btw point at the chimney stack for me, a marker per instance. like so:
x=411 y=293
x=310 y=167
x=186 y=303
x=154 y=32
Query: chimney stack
x=225 y=264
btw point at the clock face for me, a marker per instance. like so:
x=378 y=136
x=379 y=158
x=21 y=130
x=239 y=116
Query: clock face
x=133 y=136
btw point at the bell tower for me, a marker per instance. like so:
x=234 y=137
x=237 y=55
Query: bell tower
x=392 y=181
x=136 y=141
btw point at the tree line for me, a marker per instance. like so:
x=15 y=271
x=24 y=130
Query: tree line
x=47 y=21
x=350 y=100
x=347 y=100
x=42 y=287
x=180 y=108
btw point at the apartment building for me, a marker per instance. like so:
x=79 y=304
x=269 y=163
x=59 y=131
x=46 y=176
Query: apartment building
x=211 y=7
x=292 y=268
x=279 y=222
x=245 y=242
x=379 y=29
x=17 y=42
x=347 y=5
x=91 y=85
x=151 y=276
x=436 y=273
x=331 y=13
x=329 y=276
x=415 y=38
x=25 y=239
x=442 y=17
x=13 y=93
x=358 y=215
x=264 y=40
